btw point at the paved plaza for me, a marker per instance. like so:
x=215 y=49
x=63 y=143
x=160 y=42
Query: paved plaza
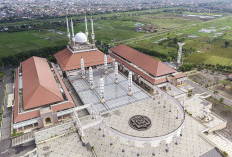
x=162 y=121
x=189 y=145
x=65 y=146
x=115 y=94
x=195 y=105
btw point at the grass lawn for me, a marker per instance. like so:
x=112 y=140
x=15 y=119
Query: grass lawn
x=2 y=74
x=166 y=21
x=214 y=54
x=12 y=43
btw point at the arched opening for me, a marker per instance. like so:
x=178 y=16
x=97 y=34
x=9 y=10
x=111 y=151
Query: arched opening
x=48 y=121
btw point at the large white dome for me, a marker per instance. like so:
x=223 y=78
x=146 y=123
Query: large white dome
x=81 y=38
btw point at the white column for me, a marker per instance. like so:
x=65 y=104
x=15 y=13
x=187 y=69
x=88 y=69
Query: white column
x=179 y=53
x=116 y=72
x=86 y=28
x=102 y=90
x=68 y=33
x=91 y=77
x=130 y=83
x=93 y=36
x=105 y=63
x=82 y=68
x=73 y=36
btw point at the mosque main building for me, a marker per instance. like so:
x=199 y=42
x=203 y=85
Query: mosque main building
x=41 y=96
x=46 y=93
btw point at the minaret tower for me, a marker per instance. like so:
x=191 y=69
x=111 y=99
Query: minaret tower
x=93 y=36
x=68 y=32
x=73 y=36
x=179 y=53
x=86 y=28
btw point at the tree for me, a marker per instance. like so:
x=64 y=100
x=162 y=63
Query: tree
x=215 y=92
x=221 y=100
x=225 y=83
x=227 y=43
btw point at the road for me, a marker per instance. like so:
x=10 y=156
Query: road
x=5 y=144
x=199 y=89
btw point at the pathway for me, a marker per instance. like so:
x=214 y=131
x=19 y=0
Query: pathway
x=199 y=89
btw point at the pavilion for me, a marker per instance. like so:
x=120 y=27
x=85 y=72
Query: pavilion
x=147 y=71
x=41 y=98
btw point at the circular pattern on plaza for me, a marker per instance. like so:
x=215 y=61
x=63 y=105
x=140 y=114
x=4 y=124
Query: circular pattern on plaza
x=140 y=122
x=163 y=121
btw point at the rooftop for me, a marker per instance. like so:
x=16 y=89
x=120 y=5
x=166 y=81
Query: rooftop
x=70 y=61
x=42 y=78
x=151 y=65
x=39 y=84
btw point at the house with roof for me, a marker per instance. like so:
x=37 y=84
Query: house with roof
x=147 y=71
x=41 y=98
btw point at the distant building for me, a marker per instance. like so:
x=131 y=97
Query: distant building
x=138 y=29
x=230 y=77
x=149 y=28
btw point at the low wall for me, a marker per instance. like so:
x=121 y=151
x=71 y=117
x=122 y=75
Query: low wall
x=57 y=130
x=218 y=127
x=32 y=153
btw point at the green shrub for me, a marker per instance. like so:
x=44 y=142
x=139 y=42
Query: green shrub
x=221 y=100
x=16 y=134
x=225 y=153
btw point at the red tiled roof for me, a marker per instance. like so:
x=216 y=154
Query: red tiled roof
x=143 y=75
x=21 y=117
x=36 y=113
x=39 y=85
x=63 y=106
x=145 y=62
x=69 y=61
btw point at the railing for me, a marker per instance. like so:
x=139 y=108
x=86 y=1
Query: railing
x=156 y=139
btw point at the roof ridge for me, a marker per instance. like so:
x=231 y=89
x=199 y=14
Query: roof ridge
x=36 y=69
x=32 y=96
x=68 y=58
x=52 y=91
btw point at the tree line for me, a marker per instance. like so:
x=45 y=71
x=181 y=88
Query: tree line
x=14 y=61
x=190 y=66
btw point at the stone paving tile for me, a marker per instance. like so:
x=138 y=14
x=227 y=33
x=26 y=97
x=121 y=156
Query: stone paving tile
x=189 y=145
x=115 y=94
x=65 y=146
x=195 y=105
x=163 y=121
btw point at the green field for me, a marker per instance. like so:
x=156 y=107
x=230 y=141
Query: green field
x=12 y=43
x=105 y=30
x=200 y=47
x=207 y=47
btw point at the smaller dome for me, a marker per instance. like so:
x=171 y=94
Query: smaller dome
x=81 y=38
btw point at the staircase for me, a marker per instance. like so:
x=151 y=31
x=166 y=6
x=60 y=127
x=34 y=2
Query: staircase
x=220 y=142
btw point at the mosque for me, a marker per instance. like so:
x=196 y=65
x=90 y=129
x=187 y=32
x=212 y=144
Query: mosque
x=46 y=94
